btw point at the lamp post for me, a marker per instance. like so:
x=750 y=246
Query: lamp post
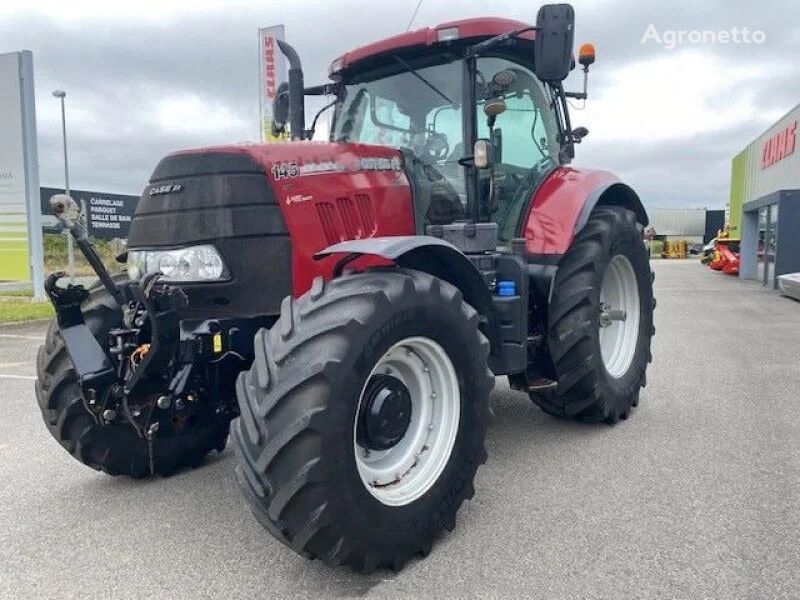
x=61 y=94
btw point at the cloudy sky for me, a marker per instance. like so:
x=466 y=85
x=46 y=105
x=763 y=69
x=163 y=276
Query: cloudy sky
x=148 y=77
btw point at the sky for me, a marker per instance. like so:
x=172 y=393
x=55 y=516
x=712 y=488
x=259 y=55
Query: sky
x=149 y=77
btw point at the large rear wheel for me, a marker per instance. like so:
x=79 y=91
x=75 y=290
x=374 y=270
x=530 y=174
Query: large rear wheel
x=600 y=321
x=363 y=417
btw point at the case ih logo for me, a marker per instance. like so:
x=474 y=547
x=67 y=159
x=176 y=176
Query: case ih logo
x=168 y=188
x=779 y=146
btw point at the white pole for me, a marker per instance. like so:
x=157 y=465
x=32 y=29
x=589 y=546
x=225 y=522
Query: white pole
x=70 y=246
x=32 y=189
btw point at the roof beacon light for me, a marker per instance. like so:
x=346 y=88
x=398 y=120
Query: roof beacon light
x=447 y=34
x=585 y=58
x=586 y=55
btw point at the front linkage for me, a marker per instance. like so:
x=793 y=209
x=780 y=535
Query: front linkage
x=153 y=358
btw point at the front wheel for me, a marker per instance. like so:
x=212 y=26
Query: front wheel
x=600 y=320
x=114 y=447
x=363 y=417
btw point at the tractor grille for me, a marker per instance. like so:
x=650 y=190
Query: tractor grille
x=223 y=199
x=346 y=218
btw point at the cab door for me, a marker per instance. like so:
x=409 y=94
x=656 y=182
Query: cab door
x=526 y=143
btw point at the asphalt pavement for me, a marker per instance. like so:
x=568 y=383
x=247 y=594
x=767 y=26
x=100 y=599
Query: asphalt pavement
x=697 y=495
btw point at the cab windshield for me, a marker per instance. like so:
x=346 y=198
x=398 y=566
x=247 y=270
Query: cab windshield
x=403 y=111
x=400 y=110
x=422 y=113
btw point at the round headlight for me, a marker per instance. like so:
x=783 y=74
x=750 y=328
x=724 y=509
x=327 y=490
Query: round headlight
x=167 y=264
x=209 y=264
x=185 y=263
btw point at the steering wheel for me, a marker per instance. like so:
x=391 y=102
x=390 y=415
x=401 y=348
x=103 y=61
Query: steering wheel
x=437 y=146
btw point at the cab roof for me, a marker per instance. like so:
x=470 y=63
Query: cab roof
x=482 y=27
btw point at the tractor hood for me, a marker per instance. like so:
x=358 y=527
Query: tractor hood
x=268 y=208
x=290 y=160
x=300 y=159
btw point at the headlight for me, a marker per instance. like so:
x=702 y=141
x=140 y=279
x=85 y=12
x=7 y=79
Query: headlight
x=195 y=263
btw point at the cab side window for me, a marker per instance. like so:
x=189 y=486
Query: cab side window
x=526 y=135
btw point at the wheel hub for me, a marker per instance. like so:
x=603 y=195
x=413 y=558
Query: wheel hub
x=407 y=421
x=618 y=318
x=385 y=413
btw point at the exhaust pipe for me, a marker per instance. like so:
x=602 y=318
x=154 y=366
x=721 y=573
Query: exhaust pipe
x=297 y=117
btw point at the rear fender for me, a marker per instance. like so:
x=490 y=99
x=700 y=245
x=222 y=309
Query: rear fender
x=561 y=206
x=438 y=258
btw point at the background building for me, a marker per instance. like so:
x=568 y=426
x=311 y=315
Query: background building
x=765 y=183
x=693 y=225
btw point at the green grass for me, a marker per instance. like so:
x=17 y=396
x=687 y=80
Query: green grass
x=24 y=293
x=13 y=309
x=55 y=255
x=18 y=305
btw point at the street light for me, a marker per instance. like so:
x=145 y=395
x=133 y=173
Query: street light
x=61 y=94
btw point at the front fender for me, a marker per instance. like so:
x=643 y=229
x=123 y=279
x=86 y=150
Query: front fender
x=438 y=258
x=390 y=247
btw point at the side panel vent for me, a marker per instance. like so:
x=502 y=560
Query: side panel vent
x=347 y=218
x=367 y=215
x=327 y=218
x=350 y=221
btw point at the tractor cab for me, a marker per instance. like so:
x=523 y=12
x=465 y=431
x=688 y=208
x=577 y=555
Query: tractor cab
x=419 y=108
x=479 y=122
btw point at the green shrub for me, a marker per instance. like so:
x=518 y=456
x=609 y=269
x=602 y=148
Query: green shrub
x=656 y=246
x=55 y=255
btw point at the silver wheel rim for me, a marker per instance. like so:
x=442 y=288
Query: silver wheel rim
x=619 y=316
x=406 y=471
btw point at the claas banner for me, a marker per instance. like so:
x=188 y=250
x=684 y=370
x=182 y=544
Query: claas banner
x=272 y=69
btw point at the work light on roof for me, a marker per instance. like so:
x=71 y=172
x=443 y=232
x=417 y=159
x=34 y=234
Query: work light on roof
x=447 y=34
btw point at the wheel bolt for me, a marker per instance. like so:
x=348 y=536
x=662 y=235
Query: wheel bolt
x=164 y=402
x=109 y=415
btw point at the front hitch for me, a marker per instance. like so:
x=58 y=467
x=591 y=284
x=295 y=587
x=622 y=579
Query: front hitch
x=94 y=369
x=161 y=303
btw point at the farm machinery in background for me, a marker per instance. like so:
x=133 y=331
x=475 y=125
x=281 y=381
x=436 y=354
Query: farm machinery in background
x=724 y=255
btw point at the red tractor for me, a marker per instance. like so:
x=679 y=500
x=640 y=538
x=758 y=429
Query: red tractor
x=345 y=306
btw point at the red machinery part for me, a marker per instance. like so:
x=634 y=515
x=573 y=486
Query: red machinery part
x=725 y=259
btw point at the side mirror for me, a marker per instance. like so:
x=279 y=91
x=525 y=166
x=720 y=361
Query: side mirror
x=280 y=110
x=554 y=41
x=579 y=133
